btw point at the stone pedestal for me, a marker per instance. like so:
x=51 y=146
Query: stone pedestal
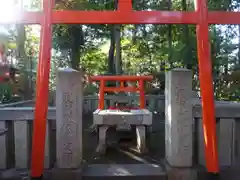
x=179 y=124
x=69 y=98
x=104 y=119
x=179 y=120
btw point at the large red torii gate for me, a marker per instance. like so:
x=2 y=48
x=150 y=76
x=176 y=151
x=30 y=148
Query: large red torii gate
x=124 y=15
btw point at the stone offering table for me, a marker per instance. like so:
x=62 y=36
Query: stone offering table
x=123 y=120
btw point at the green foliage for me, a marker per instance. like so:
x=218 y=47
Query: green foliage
x=5 y=92
x=94 y=61
x=150 y=49
x=145 y=49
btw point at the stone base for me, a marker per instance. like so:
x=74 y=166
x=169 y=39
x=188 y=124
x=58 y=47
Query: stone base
x=182 y=174
x=14 y=174
x=67 y=174
x=140 y=134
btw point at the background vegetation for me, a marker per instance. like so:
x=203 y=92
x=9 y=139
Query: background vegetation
x=125 y=49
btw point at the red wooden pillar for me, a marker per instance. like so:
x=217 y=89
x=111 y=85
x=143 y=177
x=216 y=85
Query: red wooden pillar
x=206 y=86
x=125 y=5
x=101 y=94
x=141 y=93
x=41 y=108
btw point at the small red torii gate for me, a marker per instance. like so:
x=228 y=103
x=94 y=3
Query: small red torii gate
x=124 y=15
x=122 y=88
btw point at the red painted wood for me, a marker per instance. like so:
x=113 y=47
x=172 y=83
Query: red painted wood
x=120 y=78
x=124 y=17
x=41 y=108
x=218 y=17
x=121 y=89
x=142 y=94
x=101 y=95
x=125 y=5
x=206 y=87
x=103 y=88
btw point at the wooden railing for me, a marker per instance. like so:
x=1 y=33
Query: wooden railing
x=16 y=130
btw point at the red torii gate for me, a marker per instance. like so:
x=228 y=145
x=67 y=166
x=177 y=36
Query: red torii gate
x=124 y=15
x=121 y=79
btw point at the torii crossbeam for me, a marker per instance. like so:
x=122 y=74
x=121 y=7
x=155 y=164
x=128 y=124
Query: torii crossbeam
x=124 y=15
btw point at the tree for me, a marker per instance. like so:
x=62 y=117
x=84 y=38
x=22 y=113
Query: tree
x=145 y=49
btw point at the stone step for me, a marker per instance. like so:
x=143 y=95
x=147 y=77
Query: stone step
x=120 y=171
x=95 y=172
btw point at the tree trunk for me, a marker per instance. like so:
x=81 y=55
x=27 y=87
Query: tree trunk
x=114 y=60
x=111 y=68
x=145 y=33
x=77 y=44
x=169 y=37
x=118 y=57
x=187 y=55
x=23 y=63
x=134 y=36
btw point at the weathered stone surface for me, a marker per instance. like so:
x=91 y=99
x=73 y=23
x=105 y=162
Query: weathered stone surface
x=182 y=174
x=134 y=117
x=102 y=139
x=3 y=154
x=226 y=129
x=69 y=99
x=13 y=174
x=67 y=174
x=21 y=144
x=141 y=139
x=179 y=119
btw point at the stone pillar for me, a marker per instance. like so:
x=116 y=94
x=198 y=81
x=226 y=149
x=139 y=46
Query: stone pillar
x=102 y=139
x=141 y=139
x=69 y=98
x=179 y=122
